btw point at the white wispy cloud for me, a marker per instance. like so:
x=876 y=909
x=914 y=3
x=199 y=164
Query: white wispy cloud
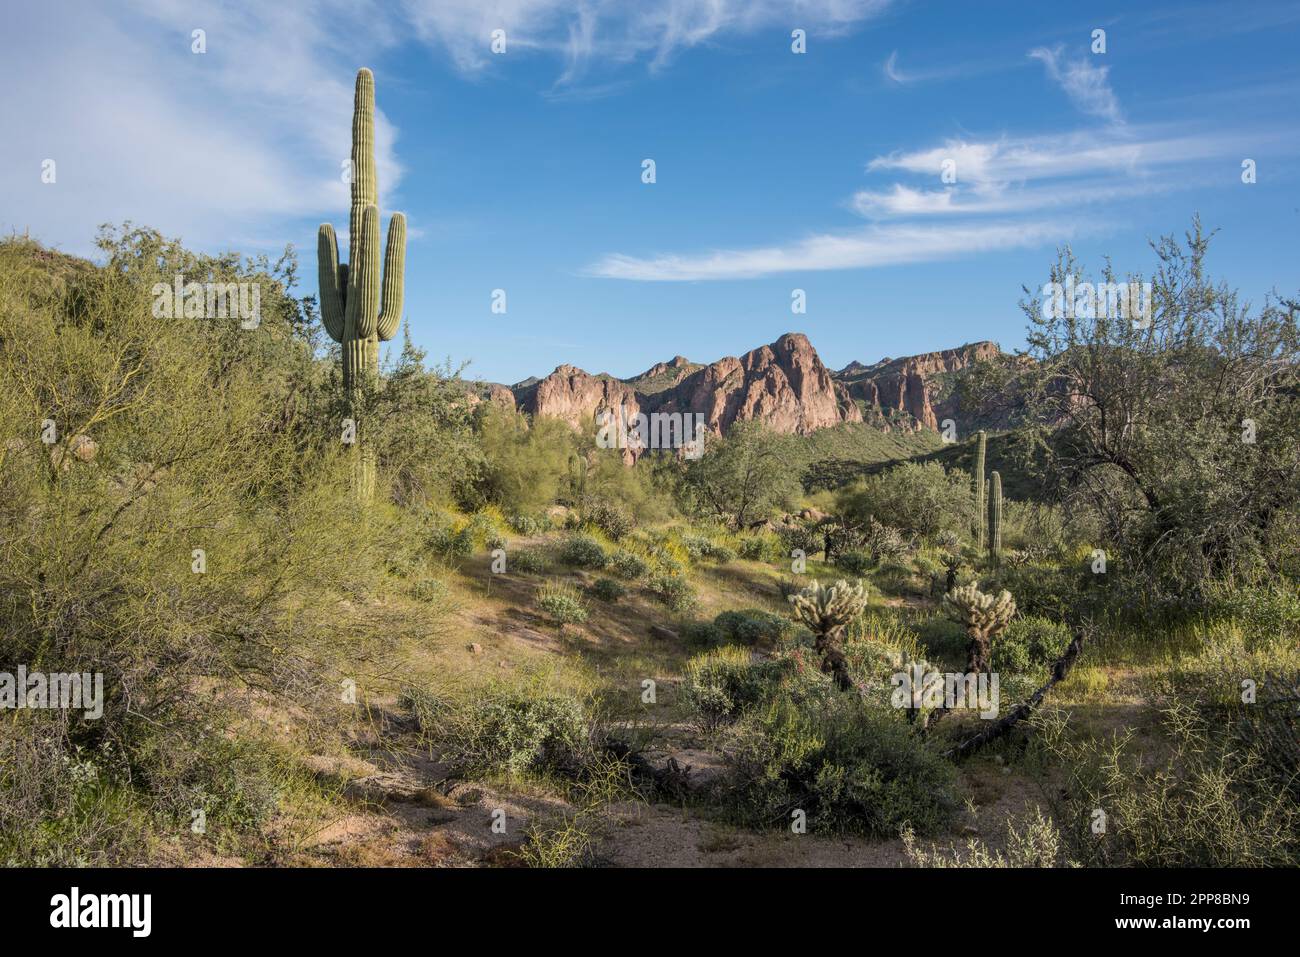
x=1084 y=82
x=237 y=141
x=873 y=247
x=247 y=139
x=613 y=32
x=1003 y=186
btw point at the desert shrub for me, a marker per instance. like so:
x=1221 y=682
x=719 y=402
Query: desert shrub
x=949 y=540
x=702 y=634
x=886 y=543
x=204 y=436
x=802 y=537
x=757 y=548
x=1033 y=842
x=1264 y=611
x=563 y=602
x=452 y=540
x=674 y=590
x=529 y=525
x=428 y=589
x=699 y=547
x=607 y=589
x=526 y=463
x=1030 y=644
x=628 y=565
x=1205 y=802
x=722 y=683
x=528 y=561
x=582 y=551
x=610 y=517
x=848 y=767
x=916 y=499
x=855 y=563
x=503 y=730
x=751 y=625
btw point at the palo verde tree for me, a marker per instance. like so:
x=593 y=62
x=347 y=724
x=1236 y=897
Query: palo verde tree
x=1175 y=428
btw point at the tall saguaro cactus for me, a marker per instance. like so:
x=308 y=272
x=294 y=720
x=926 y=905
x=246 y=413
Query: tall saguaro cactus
x=995 y=516
x=357 y=313
x=981 y=507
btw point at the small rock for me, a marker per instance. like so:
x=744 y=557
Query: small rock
x=475 y=648
x=83 y=447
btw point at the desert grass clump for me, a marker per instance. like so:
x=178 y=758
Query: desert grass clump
x=608 y=590
x=563 y=602
x=582 y=551
x=722 y=683
x=674 y=589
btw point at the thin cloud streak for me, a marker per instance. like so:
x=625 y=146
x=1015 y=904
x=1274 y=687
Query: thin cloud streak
x=874 y=247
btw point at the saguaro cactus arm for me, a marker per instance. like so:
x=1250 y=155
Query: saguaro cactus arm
x=331 y=290
x=390 y=315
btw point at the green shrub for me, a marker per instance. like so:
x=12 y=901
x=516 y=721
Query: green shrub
x=674 y=590
x=1030 y=644
x=1206 y=801
x=582 y=551
x=917 y=499
x=699 y=547
x=448 y=541
x=562 y=602
x=528 y=525
x=703 y=634
x=629 y=565
x=505 y=731
x=722 y=683
x=528 y=561
x=752 y=625
x=606 y=589
x=802 y=537
x=757 y=548
x=611 y=518
x=849 y=768
x=855 y=563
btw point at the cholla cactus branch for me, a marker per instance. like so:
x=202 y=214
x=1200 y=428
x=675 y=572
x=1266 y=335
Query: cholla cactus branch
x=826 y=612
x=983 y=617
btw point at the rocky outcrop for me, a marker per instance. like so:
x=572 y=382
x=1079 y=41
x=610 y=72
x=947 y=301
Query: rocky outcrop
x=575 y=396
x=784 y=385
x=919 y=386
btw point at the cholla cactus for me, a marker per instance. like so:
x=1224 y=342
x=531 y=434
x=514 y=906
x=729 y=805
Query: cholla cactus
x=826 y=612
x=983 y=616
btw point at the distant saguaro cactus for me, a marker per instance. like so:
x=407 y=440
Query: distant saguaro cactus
x=350 y=293
x=983 y=616
x=995 y=516
x=980 y=506
x=827 y=611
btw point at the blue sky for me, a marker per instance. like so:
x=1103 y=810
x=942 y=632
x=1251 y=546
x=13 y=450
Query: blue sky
x=820 y=171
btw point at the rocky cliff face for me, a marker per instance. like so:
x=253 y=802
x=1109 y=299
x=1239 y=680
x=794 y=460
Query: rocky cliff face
x=919 y=386
x=784 y=385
